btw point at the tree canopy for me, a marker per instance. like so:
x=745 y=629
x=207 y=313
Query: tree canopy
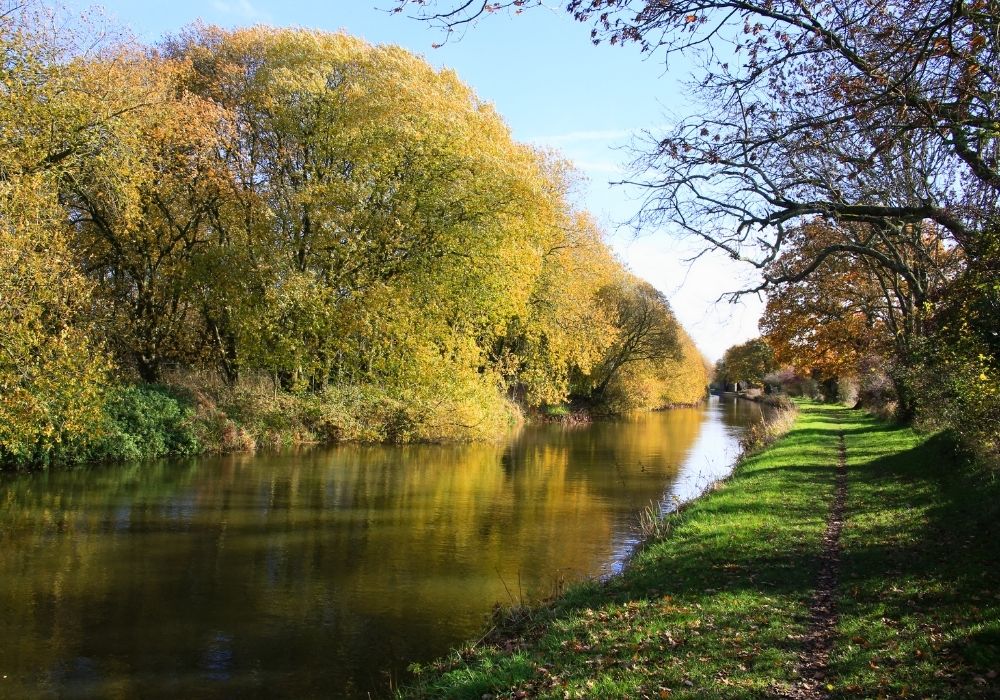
x=747 y=363
x=297 y=207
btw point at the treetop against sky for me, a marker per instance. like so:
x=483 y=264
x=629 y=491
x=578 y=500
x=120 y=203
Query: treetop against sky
x=555 y=89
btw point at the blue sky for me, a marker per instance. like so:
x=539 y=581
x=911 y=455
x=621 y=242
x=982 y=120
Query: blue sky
x=554 y=88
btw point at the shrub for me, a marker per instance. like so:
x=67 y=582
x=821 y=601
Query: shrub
x=143 y=422
x=456 y=407
x=956 y=387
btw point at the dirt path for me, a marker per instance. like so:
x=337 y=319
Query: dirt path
x=818 y=639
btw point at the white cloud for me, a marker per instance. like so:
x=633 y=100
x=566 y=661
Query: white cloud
x=598 y=167
x=241 y=8
x=585 y=136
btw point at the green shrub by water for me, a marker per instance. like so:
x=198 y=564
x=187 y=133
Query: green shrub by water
x=134 y=422
x=144 y=422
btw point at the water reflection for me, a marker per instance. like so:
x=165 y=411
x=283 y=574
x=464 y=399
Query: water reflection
x=322 y=573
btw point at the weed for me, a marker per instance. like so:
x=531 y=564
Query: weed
x=653 y=524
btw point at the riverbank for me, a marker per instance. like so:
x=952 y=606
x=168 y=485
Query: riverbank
x=731 y=603
x=192 y=414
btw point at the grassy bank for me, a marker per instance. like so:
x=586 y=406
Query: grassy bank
x=720 y=607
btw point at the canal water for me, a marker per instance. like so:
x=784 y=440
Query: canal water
x=322 y=573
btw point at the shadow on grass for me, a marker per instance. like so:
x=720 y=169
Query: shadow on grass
x=920 y=613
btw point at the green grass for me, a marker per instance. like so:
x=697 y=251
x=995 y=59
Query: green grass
x=920 y=585
x=717 y=608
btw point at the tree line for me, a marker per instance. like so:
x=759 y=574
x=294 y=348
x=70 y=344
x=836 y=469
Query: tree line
x=272 y=235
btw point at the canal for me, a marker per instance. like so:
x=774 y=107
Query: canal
x=323 y=572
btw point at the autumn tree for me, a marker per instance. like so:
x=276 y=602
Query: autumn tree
x=680 y=379
x=848 y=309
x=684 y=380
x=646 y=330
x=52 y=370
x=549 y=352
x=371 y=167
x=141 y=206
x=746 y=363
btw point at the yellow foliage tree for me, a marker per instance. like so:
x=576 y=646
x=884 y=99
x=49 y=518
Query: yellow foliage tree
x=51 y=371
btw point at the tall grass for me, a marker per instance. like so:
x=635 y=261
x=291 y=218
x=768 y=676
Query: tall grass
x=256 y=414
x=779 y=421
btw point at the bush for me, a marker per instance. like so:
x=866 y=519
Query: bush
x=792 y=383
x=779 y=401
x=876 y=389
x=456 y=407
x=848 y=390
x=956 y=387
x=144 y=422
x=560 y=410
